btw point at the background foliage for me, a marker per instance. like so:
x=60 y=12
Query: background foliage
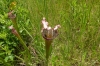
x=78 y=43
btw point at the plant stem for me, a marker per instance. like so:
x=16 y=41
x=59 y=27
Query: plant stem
x=45 y=9
x=19 y=58
x=27 y=56
x=48 y=52
x=15 y=24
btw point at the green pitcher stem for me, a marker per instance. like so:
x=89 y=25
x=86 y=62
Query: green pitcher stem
x=26 y=50
x=15 y=24
x=47 y=46
x=19 y=37
x=28 y=56
x=22 y=42
x=45 y=9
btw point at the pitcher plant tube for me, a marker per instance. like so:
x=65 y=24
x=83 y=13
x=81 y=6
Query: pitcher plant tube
x=48 y=34
x=12 y=17
x=15 y=31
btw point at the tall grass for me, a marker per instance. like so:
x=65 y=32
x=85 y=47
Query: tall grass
x=78 y=43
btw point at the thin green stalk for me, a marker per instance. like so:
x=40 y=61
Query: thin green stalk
x=28 y=56
x=15 y=24
x=45 y=9
x=48 y=49
x=19 y=58
x=22 y=42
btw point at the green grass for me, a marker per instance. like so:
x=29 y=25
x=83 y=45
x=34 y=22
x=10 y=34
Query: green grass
x=78 y=43
x=78 y=40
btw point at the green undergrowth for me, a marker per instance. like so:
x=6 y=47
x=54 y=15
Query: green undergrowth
x=78 y=43
x=78 y=40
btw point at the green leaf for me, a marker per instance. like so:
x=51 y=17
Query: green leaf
x=1 y=43
x=3 y=35
x=2 y=53
x=11 y=58
x=8 y=58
